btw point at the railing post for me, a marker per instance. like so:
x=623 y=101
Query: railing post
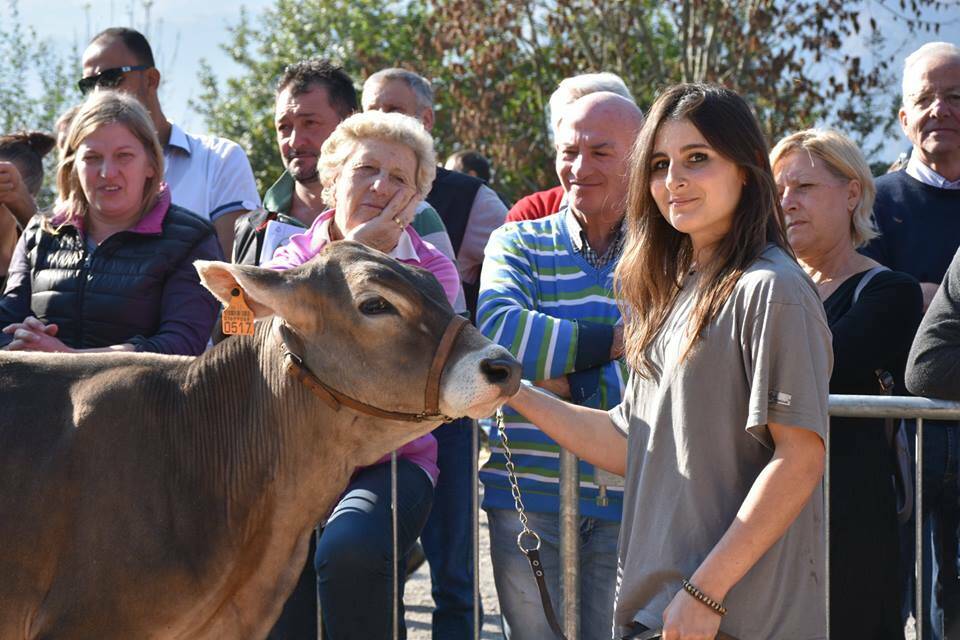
x=396 y=555
x=865 y=406
x=570 y=543
x=826 y=524
x=920 y=614
x=475 y=474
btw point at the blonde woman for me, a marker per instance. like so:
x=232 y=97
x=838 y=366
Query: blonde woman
x=111 y=269
x=721 y=432
x=827 y=195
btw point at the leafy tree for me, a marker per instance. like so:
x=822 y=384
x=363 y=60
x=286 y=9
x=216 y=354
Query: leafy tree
x=502 y=61
x=360 y=35
x=35 y=87
x=495 y=64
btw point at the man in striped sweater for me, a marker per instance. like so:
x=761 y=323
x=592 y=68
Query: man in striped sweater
x=546 y=294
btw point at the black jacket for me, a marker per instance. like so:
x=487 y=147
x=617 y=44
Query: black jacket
x=136 y=287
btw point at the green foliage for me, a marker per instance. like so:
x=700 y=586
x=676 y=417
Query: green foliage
x=360 y=35
x=494 y=65
x=35 y=87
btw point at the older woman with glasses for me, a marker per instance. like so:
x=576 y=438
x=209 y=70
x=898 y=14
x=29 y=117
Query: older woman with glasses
x=111 y=268
x=827 y=192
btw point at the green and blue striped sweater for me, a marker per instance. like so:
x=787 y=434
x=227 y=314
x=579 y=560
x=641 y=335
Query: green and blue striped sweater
x=555 y=312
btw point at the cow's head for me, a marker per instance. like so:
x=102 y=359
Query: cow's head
x=370 y=326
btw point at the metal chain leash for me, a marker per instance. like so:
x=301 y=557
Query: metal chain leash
x=533 y=551
x=515 y=489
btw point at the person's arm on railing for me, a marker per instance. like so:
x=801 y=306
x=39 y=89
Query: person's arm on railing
x=933 y=368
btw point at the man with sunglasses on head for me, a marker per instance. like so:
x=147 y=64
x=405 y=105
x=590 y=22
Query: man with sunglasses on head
x=207 y=175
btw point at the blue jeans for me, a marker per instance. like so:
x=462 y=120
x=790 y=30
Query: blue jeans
x=941 y=509
x=448 y=536
x=354 y=560
x=521 y=612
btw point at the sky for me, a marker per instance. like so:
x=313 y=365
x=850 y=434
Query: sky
x=182 y=32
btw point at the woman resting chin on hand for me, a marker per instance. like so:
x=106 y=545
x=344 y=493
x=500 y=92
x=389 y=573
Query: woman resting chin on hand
x=375 y=169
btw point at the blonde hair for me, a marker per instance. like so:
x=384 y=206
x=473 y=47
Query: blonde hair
x=376 y=125
x=844 y=160
x=100 y=109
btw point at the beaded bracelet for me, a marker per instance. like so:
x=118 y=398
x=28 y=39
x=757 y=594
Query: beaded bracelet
x=702 y=597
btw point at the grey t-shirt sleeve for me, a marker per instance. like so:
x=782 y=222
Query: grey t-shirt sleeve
x=620 y=414
x=788 y=357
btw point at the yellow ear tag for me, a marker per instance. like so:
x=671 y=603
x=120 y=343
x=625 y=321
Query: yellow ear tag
x=237 y=319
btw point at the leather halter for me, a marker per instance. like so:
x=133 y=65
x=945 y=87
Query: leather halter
x=335 y=399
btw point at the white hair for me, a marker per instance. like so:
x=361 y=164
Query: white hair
x=929 y=50
x=376 y=125
x=575 y=87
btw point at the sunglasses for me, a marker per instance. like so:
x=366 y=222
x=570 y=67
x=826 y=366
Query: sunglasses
x=108 y=79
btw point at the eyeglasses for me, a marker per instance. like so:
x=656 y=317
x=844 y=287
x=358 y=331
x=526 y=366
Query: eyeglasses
x=109 y=78
x=925 y=98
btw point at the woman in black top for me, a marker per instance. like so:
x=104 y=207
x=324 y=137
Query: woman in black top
x=827 y=195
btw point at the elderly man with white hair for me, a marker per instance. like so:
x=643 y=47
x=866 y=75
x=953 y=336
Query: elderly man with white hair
x=543 y=203
x=917 y=211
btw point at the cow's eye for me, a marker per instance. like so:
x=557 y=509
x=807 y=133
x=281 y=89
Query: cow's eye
x=375 y=306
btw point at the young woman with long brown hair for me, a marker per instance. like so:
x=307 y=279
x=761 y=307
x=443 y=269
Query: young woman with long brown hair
x=720 y=436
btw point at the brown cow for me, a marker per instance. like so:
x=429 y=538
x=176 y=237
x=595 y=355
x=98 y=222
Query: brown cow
x=146 y=496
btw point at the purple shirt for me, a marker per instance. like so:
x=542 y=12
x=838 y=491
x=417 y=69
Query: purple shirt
x=410 y=249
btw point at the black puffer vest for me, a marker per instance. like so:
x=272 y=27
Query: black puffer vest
x=452 y=195
x=113 y=294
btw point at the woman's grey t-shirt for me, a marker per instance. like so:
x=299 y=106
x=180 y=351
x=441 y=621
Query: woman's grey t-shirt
x=698 y=438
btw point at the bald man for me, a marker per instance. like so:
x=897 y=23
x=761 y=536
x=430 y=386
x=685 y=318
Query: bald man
x=546 y=293
x=543 y=203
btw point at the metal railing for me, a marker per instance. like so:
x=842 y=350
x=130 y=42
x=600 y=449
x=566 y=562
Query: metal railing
x=841 y=406
x=846 y=406
x=908 y=408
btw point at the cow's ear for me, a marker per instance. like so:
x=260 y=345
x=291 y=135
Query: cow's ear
x=222 y=278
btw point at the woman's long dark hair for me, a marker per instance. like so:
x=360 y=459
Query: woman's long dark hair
x=657 y=256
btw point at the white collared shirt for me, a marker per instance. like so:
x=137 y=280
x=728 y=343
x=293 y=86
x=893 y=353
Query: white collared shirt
x=207 y=175
x=919 y=171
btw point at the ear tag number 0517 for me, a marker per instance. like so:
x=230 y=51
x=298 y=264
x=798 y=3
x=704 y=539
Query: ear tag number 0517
x=237 y=318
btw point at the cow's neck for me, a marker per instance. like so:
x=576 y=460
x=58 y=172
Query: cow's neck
x=273 y=436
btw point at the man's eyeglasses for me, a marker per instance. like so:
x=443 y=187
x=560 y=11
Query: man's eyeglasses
x=108 y=79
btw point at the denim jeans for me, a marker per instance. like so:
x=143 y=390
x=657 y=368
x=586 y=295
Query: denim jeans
x=521 y=612
x=941 y=509
x=355 y=551
x=448 y=536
